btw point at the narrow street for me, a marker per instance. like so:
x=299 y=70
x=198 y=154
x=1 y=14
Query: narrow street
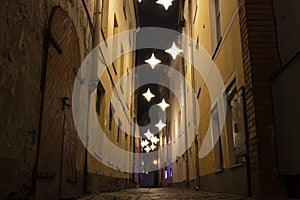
x=161 y=193
x=149 y=99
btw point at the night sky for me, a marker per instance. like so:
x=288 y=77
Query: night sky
x=152 y=14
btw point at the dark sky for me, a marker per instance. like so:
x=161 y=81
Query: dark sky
x=152 y=14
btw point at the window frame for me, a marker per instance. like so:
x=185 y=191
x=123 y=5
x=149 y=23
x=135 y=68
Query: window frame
x=235 y=157
x=215 y=25
x=218 y=146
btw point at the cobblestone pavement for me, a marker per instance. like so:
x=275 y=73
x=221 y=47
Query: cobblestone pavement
x=161 y=193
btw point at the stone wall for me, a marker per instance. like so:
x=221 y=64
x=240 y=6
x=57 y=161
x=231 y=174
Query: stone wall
x=23 y=27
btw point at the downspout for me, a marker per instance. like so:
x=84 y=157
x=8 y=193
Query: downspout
x=97 y=23
x=96 y=41
x=185 y=99
x=185 y=129
x=136 y=176
x=247 y=156
x=195 y=121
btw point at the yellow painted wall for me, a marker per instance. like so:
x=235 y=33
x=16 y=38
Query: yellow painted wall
x=229 y=62
x=114 y=8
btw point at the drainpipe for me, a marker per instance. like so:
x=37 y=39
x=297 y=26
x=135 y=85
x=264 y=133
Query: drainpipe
x=96 y=41
x=194 y=114
x=247 y=156
x=185 y=128
x=191 y=36
x=97 y=23
x=197 y=162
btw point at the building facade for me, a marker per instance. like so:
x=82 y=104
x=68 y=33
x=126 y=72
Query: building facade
x=285 y=95
x=214 y=31
x=42 y=46
x=247 y=42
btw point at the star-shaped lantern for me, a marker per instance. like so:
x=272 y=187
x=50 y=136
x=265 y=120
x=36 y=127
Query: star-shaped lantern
x=148 y=95
x=160 y=125
x=163 y=105
x=174 y=51
x=148 y=134
x=152 y=147
x=154 y=140
x=153 y=61
x=147 y=149
x=144 y=143
x=165 y=3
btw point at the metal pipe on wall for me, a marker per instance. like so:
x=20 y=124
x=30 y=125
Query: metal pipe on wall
x=98 y=8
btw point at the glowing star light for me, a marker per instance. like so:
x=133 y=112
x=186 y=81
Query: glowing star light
x=147 y=149
x=144 y=143
x=160 y=125
x=153 y=61
x=165 y=3
x=163 y=105
x=152 y=147
x=148 y=95
x=174 y=51
x=148 y=134
x=154 y=140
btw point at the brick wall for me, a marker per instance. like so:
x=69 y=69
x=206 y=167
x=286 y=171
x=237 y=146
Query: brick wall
x=260 y=60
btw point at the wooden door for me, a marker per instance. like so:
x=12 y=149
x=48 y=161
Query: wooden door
x=61 y=154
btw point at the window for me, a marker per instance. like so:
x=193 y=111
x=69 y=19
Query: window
x=124 y=9
x=215 y=24
x=199 y=91
x=99 y=97
x=115 y=42
x=122 y=66
x=119 y=129
x=235 y=125
x=104 y=17
x=166 y=174
x=111 y=112
x=216 y=136
x=195 y=14
x=116 y=25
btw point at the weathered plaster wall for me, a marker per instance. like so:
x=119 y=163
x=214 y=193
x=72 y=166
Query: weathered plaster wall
x=21 y=47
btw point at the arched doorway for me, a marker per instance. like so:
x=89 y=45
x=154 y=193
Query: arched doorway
x=61 y=154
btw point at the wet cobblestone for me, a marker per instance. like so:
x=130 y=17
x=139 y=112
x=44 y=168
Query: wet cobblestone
x=162 y=193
